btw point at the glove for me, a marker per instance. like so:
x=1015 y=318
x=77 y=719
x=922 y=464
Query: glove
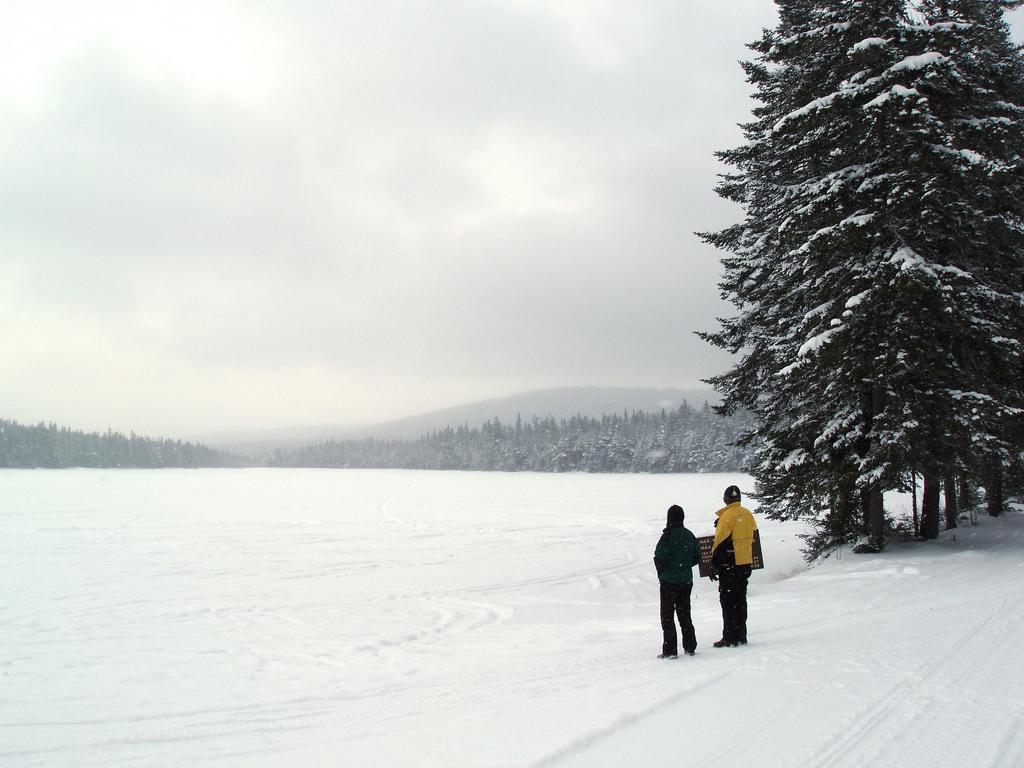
x=714 y=574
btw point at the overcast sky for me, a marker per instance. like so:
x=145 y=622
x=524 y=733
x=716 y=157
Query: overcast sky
x=217 y=215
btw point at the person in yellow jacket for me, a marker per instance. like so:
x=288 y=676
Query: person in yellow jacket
x=731 y=559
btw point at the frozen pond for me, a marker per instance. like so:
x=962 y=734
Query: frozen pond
x=162 y=617
x=389 y=618
x=168 y=616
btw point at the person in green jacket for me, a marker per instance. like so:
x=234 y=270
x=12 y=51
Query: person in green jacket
x=674 y=557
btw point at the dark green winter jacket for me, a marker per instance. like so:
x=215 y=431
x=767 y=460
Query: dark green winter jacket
x=676 y=554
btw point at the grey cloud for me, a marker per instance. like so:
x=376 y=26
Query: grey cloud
x=435 y=190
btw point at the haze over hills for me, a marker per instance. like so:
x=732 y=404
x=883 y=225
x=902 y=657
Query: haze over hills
x=559 y=403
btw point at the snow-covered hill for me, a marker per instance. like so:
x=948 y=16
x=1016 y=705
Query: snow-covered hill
x=557 y=402
x=371 y=618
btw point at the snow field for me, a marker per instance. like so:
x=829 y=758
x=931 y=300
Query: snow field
x=321 y=617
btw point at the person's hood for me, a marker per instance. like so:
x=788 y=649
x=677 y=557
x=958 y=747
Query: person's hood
x=722 y=511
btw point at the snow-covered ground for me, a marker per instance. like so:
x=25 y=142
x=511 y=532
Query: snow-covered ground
x=387 y=618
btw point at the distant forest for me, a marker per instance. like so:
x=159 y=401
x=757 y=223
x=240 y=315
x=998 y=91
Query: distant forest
x=681 y=440
x=50 y=446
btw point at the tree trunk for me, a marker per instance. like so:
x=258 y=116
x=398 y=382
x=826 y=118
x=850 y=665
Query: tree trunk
x=913 y=490
x=994 y=488
x=873 y=513
x=876 y=512
x=965 y=493
x=868 y=414
x=865 y=511
x=844 y=511
x=930 y=505
x=876 y=536
x=949 y=486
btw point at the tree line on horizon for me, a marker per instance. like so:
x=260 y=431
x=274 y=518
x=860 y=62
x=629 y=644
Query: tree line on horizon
x=878 y=270
x=681 y=440
x=51 y=447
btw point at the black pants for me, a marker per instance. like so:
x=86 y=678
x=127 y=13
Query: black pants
x=675 y=601
x=732 y=593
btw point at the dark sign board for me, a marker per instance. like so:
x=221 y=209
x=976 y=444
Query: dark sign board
x=705 y=553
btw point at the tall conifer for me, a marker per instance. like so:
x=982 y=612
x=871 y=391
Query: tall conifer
x=877 y=272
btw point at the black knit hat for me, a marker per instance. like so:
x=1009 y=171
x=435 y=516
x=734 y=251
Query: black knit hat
x=732 y=494
x=675 y=515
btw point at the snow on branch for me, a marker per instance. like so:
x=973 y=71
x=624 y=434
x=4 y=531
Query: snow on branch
x=1008 y=106
x=840 y=26
x=920 y=61
x=910 y=63
x=1006 y=340
x=981 y=122
x=972 y=157
x=839 y=425
x=856 y=301
x=827 y=185
x=981 y=400
x=823 y=103
x=871 y=477
x=869 y=42
x=819 y=311
x=900 y=91
x=856 y=220
x=978 y=397
x=795 y=458
x=783 y=372
x=815 y=343
x=941 y=26
x=909 y=259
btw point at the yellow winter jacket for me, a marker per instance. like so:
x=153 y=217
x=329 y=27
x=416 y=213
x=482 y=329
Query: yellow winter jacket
x=736 y=521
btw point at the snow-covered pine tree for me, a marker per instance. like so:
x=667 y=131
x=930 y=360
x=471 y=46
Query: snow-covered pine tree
x=953 y=196
x=795 y=261
x=964 y=184
x=997 y=134
x=869 y=336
